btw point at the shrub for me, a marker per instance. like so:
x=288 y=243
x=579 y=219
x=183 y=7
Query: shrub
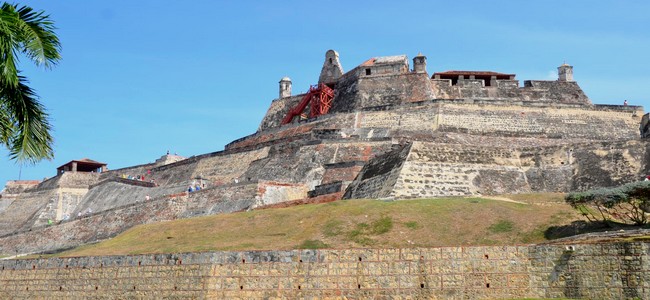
x=624 y=204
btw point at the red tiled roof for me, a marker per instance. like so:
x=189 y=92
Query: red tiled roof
x=369 y=62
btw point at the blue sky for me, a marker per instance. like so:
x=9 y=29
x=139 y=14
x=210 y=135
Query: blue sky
x=139 y=78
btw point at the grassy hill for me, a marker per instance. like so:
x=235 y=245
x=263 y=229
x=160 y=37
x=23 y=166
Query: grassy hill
x=514 y=219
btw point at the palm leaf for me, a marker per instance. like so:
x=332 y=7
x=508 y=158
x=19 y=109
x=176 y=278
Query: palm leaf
x=8 y=44
x=29 y=139
x=24 y=125
x=36 y=34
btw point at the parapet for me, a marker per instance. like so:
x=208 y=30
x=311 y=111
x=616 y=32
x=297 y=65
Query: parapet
x=14 y=187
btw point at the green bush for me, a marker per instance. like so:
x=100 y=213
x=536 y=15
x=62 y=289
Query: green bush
x=625 y=204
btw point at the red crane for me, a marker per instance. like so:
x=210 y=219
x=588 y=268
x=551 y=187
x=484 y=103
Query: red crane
x=320 y=99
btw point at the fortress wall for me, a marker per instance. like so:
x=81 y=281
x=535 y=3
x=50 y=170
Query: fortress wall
x=417 y=119
x=291 y=132
x=298 y=163
x=38 y=207
x=98 y=226
x=378 y=176
x=449 y=153
x=447 y=170
x=343 y=172
x=70 y=180
x=24 y=210
x=435 y=170
x=174 y=174
x=567 y=92
x=14 y=187
x=609 y=164
x=77 y=179
x=110 y=195
x=270 y=193
x=542 y=122
x=288 y=133
x=550 y=92
x=436 y=179
x=5 y=202
x=128 y=171
x=278 y=110
x=64 y=204
x=432 y=169
x=585 y=271
x=225 y=168
x=357 y=93
x=443 y=89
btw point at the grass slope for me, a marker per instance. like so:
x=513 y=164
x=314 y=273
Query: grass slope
x=350 y=224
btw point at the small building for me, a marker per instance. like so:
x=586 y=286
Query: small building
x=82 y=165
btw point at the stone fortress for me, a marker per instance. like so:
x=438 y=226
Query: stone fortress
x=389 y=131
x=381 y=130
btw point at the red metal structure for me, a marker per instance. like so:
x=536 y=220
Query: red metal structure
x=320 y=99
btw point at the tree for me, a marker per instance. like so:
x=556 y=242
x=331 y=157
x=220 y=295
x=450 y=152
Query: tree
x=628 y=204
x=24 y=124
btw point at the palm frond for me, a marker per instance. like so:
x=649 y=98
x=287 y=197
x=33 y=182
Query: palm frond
x=30 y=139
x=36 y=34
x=8 y=44
x=6 y=125
x=24 y=125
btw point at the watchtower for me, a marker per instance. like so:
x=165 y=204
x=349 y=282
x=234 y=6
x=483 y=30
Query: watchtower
x=565 y=72
x=285 y=87
x=332 y=70
x=420 y=63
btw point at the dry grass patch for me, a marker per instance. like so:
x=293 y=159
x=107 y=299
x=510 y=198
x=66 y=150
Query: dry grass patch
x=345 y=224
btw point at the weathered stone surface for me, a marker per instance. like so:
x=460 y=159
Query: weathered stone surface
x=433 y=170
x=592 y=271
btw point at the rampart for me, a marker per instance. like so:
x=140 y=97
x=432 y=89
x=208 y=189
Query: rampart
x=114 y=218
x=428 y=169
x=585 y=271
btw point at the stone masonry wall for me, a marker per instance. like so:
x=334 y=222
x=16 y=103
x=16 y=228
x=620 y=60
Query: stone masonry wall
x=433 y=170
x=377 y=178
x=591 y=271
x=106 y=224
x=278 y=110
x=544 y=122
x=23 y=211
x=534 y=91
x=354 y=93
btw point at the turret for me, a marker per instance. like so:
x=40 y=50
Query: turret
x=332 y=70
x=285 y=87
x=420 y=63
x=565 y=72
